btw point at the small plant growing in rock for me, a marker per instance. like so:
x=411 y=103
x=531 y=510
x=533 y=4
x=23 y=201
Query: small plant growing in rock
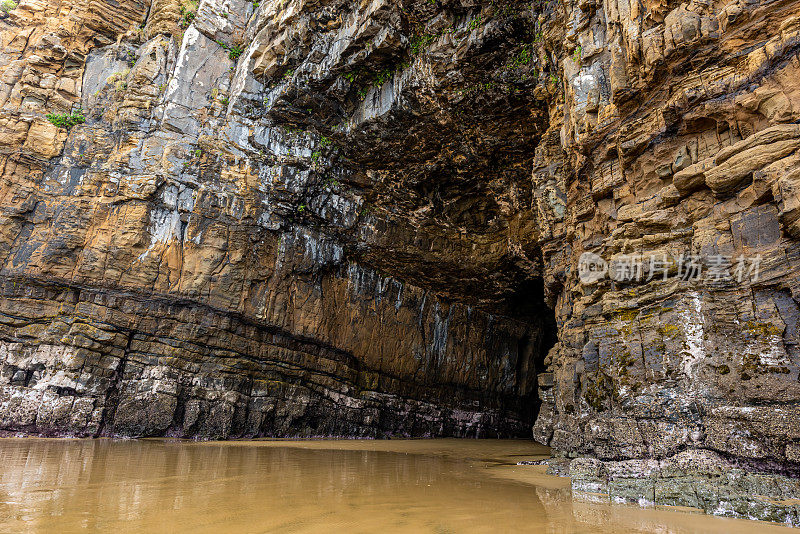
x=224 y=100
x=187 y=19
x=235 y=51
x=524 y=57
x=383 y=76
x=118 y=80
x=7 y=5
x=475 y=22
x=576 y=56
x=66 y=120
x=301 y=208
x=197 y=152
x=297 y=132
x=188 y=11
x=420 y=42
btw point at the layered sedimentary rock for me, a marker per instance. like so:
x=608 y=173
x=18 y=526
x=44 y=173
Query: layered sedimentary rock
x=681 y=137
x=250 y=235
x=678 y=138
x=367 y=219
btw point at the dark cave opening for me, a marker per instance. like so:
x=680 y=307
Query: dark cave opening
x=528 y=304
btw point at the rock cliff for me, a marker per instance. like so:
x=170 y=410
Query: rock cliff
x=295 y=217
x=232 y=219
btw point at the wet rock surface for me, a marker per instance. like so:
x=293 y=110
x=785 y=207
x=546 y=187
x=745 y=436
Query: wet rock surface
x=697 y=479
x=366 y=219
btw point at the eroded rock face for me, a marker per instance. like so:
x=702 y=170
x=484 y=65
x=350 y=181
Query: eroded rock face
x=270 y=222
x=680 y=134
x=297 y=217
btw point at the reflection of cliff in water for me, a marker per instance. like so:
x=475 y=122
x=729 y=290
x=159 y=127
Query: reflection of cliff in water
x=437 y=486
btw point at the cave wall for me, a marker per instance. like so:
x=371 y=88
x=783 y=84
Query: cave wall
x=268 y=224
x=678 y=135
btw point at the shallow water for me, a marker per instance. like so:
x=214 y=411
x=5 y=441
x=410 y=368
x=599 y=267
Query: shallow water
x=435 y=486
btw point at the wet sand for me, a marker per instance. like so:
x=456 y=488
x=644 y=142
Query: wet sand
x=435 y=486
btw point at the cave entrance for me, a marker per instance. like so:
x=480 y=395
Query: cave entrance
x=528 y=305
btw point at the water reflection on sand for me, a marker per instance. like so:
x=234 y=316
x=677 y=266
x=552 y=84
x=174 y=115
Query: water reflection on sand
x=310 y=486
